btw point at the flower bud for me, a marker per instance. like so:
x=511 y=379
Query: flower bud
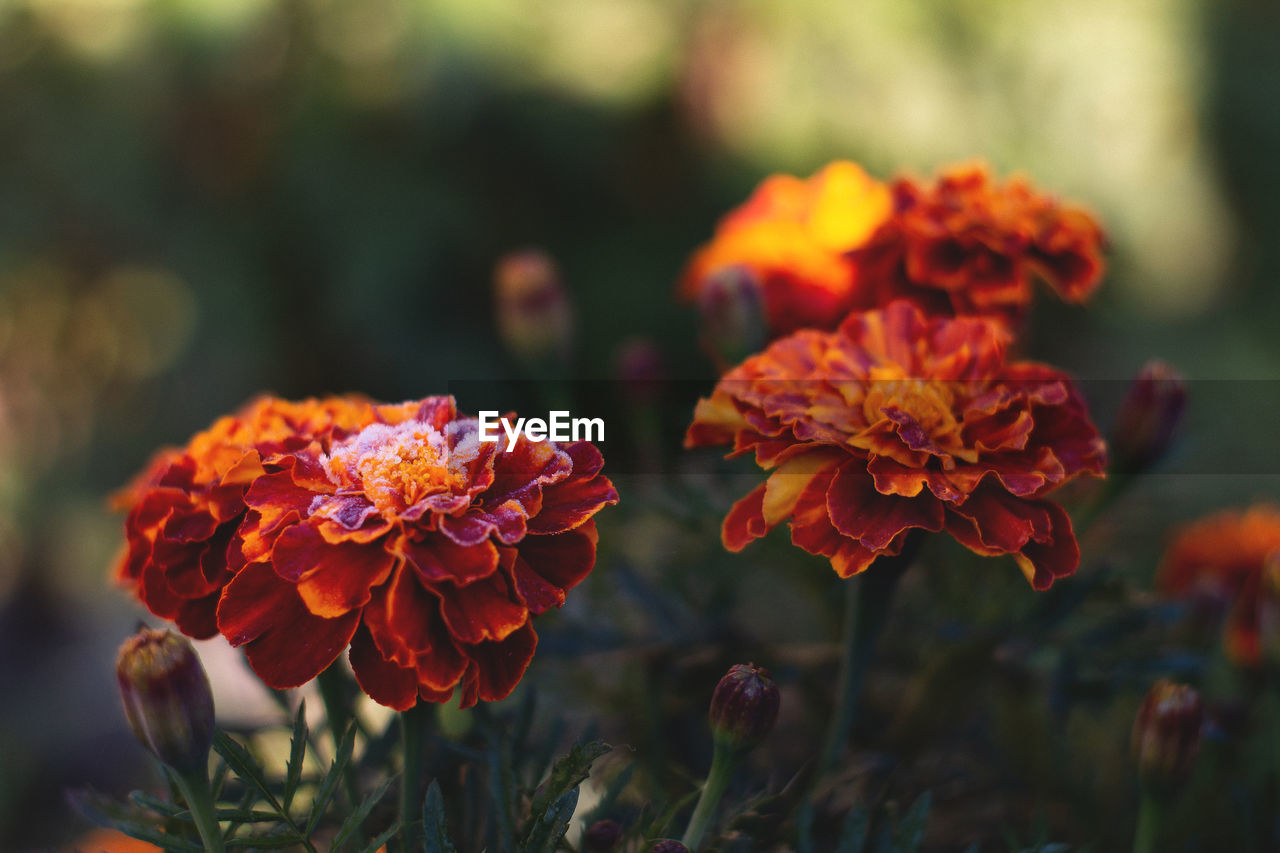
x=1166 y=734
x=167 y=698
x=668 y=846
x=733 y=318
x=1148 y=417
x=1269 y=610
x=639 y=365
x=535 y=318
x=602 y=836
x=744 y=706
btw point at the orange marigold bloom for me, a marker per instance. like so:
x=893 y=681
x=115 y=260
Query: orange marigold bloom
x=1222 y=558
x=426 y=550
x=898 y=421
x=967 y=245
x=186 y=505
x=793 y=235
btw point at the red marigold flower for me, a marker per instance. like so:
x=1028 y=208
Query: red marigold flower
x=1221 y=559
x=792 y=235
x=426 y=550
x=898 y=421
x=186 y=505
x=966 y=245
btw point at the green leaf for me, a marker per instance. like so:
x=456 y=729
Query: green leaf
x=853 y=836
x=331 y=780
x=247 y=768
x=910 y=830
x=658 y=828
x=502 y=790
x=566 y=775
x=546 y=832
x=105 y=811
x=433 y=823
x=376 y=844
x=246 y=815
x=161 y=807
x=357 y=817
x=297 y=755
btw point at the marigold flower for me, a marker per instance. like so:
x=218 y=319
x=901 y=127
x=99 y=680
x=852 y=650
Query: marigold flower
x=186 y=505
x=793 y=234
x=967 y=245
x=898 y=421
x=1221 y=558
x=426 y=550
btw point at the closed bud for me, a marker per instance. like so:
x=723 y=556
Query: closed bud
x=668 y=846
x=744 y=706
x=1148 y=417
x=602 y=836
x=167 y=699
x=1166 y=734
x=640 y=367
x=535 y=318
x=733 y=315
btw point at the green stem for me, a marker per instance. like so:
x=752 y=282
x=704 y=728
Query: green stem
x=1150 y=816
x=867 y=601
x=1116 y=484
x=336 y=696
x=722 y=762
x=414 y=724
x=195 y=789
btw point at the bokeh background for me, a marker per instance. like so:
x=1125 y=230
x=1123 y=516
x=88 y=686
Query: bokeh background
x=201 y=200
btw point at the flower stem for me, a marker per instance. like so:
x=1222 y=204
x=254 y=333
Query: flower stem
x=413 y=725
x=867 y=603
x=195 y=789
x=1150 y=816
x=722 y=761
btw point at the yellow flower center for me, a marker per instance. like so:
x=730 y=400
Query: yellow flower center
x=398 y=465
x=928 y=401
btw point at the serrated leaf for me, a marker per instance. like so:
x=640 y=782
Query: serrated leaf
x=161 y=807
x=105 y=811
x=247 y=768
x=357 y=817
x=329 y=786
x=853 y=835
x=545 y=833
x=567 y=773
x=378 y=843
x=297 y=755
x=910 y=831
x=434 y=825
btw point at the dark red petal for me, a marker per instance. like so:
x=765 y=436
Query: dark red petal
x=561 y=560
x=438 y=558
x=860 y=512
x=484 y=610
x=569 y=503
x=385 y=682
x=745 y=521
x=1057 y=556
x=502 y=665
x=332 y=578
x=198 y=618
x=286 y=645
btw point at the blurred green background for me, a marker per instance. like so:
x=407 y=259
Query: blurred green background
x=201 y=200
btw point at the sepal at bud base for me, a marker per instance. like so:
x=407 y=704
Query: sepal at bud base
x=167 y=698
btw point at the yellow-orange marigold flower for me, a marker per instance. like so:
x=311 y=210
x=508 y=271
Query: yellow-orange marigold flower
x=428 y=551
x=183 y=510
x=793 y=234
x=1222 y=558
x=898 y=421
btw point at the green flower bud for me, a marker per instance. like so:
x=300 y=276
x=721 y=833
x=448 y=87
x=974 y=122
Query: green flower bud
x=167 y=698
x=1166 y=734
x=744 y=706
x=535 y=317
x=1148 y=417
